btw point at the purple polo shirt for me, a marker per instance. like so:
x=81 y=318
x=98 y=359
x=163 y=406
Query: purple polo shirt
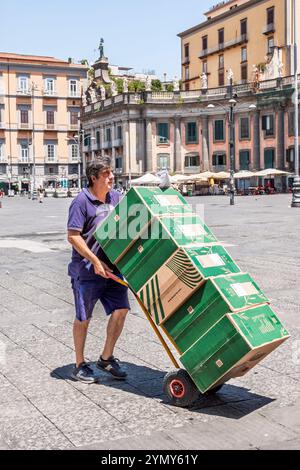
x=85 y=215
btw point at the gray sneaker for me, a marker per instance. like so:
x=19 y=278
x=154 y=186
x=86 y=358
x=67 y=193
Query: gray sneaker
x=84 y=374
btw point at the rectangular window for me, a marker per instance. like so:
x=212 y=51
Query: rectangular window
x=74 y=118
x=269 y=158
x=219 y=159
x=23 y=85
x=221 y=37
x=119 y=163
x=268 y=124
x=270 y=45
x=244 y=128
x=24 y=153
x=24 y=116
x=50 y=152
x=244 y=54
x=221 y=78
x=98 y=138
x=204 y=43
x=163 y=161
x=119 y=132
x=219 y=130
x=192 y=161
x=270 y=16
x=108 y=135
x=73 y=87
x=74 y=152
x=1 y=150
x=187 y=52
x=221 y=61
x=244 y=72
x=244 y=159
x=187 y=73
x=243 y=27
x=291 y=123
x=50 y=118
x=163 y=133
x=50 y=86
x=204 y=66
x=191 y=133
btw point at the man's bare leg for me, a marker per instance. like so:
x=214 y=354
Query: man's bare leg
x=114 y=329
x=80 y=330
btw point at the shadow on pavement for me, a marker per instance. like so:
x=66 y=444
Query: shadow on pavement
x=231 y=401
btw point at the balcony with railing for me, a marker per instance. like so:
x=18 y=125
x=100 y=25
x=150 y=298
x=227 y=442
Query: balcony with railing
x=224 y=45
x=203 y=96
x=49 y=93
x=118 y=143
x=23 y=91
x=107 y=144
x=269 y=28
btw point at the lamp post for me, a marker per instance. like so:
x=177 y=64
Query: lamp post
x=231 y=120
x=34 y=191
x=296 y=184
x=79 y=139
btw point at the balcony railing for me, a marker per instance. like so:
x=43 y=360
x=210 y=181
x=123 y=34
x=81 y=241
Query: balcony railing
x=50 y=160
x=74 y=94
x=50 y=127
x=26 y=92
x=3 y=159
x=73 y=127
x=49 y=92
x=2 y=125
x=25 y=125
x=118 y=143
x=225 y=45
x=107 y=144
x=269 y=28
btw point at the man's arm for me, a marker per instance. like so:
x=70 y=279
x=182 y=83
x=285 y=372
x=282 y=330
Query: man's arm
x=78 y=243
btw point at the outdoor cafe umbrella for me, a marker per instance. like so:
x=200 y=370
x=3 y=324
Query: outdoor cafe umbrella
x=147 y=179
x=223 y=175
x=271 y=172
x=243 y=175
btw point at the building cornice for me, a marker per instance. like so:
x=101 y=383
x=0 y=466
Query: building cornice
x=219 y=18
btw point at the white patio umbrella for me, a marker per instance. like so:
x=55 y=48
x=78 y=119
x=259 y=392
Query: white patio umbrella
x=244 y=174
x=271 y=172
x=147 y=179
x=223 y=175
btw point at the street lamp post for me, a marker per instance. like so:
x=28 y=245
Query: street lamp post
x=34 y=191
x=232 y=103
x=231 y=120
x=296 y=184
x=79 y=140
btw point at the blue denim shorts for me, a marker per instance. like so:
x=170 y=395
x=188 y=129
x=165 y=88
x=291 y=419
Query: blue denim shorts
x=112 y=295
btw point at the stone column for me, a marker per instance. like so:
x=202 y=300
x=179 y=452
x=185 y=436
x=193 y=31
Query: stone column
x=280 y=140
x=205 y=142
x=149 y=148
x=140 y=145
x=177 y=146
x=256 y=141
x=102 y=137
x=113 y=138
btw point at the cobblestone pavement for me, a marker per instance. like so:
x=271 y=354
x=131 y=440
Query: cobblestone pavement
x=41 y=408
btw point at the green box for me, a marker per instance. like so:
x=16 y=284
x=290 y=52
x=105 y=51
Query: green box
x=127 y=221
x=209 y=304
x=233 y=346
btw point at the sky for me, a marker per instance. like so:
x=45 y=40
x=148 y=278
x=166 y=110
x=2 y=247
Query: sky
x=141 y=34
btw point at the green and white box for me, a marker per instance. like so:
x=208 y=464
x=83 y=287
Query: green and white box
x=134 y=213
x=209 y=304
x=233 y=346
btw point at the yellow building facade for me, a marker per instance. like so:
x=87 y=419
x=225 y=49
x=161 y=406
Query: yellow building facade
x=40 y=100
x=237 y=37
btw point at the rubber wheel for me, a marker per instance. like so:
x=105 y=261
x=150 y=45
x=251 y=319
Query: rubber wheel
x=215 y=390
x=180 y=389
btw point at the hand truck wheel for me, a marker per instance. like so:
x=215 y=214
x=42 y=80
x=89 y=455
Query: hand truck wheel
x=180 y=389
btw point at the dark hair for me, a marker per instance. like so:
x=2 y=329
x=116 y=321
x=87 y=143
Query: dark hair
x=97 y=166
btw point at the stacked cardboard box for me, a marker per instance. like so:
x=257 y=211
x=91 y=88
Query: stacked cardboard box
x=215 y=315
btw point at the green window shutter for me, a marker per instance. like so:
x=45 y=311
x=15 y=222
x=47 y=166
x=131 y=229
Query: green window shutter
x=219 y=129
x=269 y=158
x=163 y=132
x=244 y=159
